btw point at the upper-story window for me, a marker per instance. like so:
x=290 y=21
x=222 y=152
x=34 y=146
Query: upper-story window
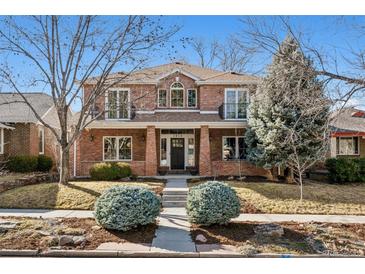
x=162 y=98
x=192 y=98
x=117 y=104
x=236 y=102
x=177 y=95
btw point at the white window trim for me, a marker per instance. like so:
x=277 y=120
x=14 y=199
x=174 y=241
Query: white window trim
x=107 y=107
x=167 y=157
x=225 y=101
x=117 y=154
x=345 y=137
x=183 y=90
x=41 y=130
x=1 y=141
x=196 y=97
x=237 y=152
x=158 y=98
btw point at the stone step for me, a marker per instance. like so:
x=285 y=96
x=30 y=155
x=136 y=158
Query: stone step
x=174 y=197
x=173 y=203
x=175 y=191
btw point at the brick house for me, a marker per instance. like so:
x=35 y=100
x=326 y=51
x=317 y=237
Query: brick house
x=171 y=118
x=348 y=133
x=20 y=131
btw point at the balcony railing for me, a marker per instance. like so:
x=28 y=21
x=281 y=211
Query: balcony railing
x=233 y=111
x=122 y=113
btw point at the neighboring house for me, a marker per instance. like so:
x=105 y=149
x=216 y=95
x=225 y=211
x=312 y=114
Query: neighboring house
x=348 y=133
x=171 y=118
x=20 y=131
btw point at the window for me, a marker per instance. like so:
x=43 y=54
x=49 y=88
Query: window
x=233 y=148
x=235 y=104
x=177 y=95
x=117 y=148
x=117 y=104
x=162 y=98
x=1 y=141
x=191 y=156
x=41 y=140
x=347 y=145
x=192 y=98
x=163 y=155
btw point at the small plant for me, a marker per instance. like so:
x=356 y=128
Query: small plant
x=45 y=163
x=110 y=171
x=22 y=163
x=126 y=207
x=212 y=203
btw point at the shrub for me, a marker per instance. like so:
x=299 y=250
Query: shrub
x=110 y=171
x=22 y=163
x=212 y=203
x=126 y=207
x=45 y=163
x=346 y=170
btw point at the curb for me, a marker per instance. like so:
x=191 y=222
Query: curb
x=144 y=254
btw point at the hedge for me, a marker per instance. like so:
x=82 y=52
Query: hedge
x=110 y=171
x=29 y=163
x=346 y=170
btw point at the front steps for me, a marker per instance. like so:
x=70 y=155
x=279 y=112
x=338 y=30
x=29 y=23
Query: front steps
x=175 y=194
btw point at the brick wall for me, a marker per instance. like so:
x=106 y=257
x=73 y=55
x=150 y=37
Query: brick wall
x=90 y=148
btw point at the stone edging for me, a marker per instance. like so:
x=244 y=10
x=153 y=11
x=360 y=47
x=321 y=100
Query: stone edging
x=139 y=254
x=28 y=180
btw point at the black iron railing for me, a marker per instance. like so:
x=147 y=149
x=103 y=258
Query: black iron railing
x=233 y=111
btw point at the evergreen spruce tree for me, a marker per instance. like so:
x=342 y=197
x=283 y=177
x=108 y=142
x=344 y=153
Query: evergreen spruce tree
x=288 y=114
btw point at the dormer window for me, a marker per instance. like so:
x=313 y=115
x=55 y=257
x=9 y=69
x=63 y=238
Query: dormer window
x=192 y=98
x=162 y=98
x=177 y=95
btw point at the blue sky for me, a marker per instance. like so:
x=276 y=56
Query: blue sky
x=331 y=34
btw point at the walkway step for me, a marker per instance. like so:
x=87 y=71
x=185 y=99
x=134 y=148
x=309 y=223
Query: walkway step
x=170 y=197
x=173 y=203
x=174 y=191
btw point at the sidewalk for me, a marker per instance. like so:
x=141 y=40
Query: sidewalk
x=50 y=213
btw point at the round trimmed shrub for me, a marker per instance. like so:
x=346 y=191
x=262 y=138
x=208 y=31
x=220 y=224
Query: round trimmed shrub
x=126 y=207
x=110 y=171
x=45 y=163
x=212 y=203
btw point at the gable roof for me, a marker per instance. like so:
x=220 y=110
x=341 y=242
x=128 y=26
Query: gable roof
x=13 y=109
x=348 y=120
x=202 y=75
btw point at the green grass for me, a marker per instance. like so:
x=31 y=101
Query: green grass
x=319 y=198
x=75 y=195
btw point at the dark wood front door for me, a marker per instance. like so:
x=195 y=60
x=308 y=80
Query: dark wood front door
x=177 y=153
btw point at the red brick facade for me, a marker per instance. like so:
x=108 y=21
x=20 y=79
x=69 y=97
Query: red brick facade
x=146 y=147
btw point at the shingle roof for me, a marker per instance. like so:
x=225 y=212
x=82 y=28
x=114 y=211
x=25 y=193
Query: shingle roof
x=13 y=109
x=348 y=120
x=202 y=75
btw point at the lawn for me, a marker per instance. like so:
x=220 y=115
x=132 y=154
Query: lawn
x=319 y=198
x=76 y=195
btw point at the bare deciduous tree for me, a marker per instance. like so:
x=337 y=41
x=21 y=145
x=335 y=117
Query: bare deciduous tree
x=63 y=52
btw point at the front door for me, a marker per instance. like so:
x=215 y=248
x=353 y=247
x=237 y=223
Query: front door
x=177 y=153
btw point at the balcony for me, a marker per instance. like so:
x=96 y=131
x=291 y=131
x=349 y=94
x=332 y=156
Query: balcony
x=233 y=111
x=122 y=113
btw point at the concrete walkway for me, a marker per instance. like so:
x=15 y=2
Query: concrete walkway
x=173 y=232
x=171 y=214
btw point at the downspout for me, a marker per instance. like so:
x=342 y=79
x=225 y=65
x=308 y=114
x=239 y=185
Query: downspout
x=75 y=158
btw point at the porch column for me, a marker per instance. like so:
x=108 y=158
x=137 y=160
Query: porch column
x=151 y=155
x=205 y=165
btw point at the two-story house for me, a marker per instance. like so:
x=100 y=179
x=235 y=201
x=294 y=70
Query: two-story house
x=171 y=118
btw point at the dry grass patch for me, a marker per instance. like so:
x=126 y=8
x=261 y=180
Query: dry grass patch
x=319 y=198
x=75 y=195
x=12 y=176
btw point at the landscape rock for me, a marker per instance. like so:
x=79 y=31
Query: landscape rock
x=50 y=241
x=201 y=238
x=65 y=240
x=5 y=225
x=44 y=233
x=78 y=240
x=96 y=227
x=316 y=244
x=269 y=230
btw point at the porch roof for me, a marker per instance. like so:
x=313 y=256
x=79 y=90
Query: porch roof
x=348 y=122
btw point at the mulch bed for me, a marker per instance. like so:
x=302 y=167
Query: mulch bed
x=26 y=235
x=346 y=239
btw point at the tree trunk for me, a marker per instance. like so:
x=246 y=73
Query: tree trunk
x=289 y=176
x=301 y=185
x=64 y=167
